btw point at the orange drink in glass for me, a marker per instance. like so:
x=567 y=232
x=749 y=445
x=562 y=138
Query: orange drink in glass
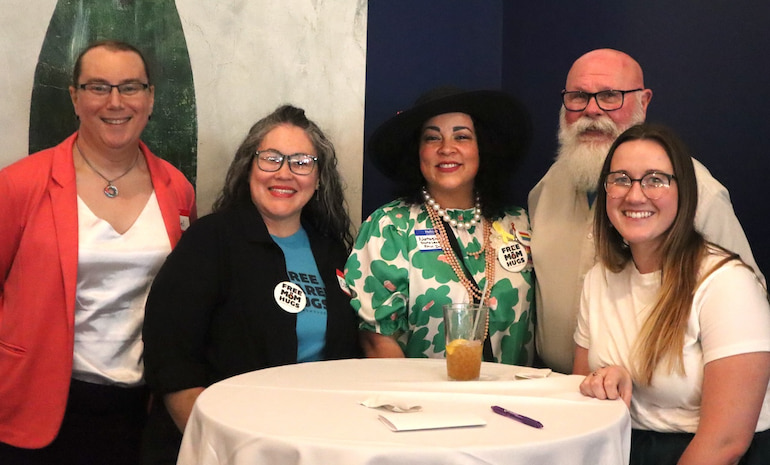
x=465 y=327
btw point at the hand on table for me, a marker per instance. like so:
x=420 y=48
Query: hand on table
x=612 y=382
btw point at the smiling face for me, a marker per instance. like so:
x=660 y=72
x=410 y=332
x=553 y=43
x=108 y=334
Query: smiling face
x=280 y=195
x=449 y=159
x=112 y=122
x=642 y=222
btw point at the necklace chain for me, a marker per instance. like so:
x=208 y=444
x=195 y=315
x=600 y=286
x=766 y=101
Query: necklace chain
x=438 y=220
x=110 y=190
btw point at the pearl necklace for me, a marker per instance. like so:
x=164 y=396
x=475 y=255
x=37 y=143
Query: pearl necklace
x=432 y=204
x=474 y=293
x=110 y=190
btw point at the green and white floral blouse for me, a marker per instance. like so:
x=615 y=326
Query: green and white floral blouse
x=401 y=279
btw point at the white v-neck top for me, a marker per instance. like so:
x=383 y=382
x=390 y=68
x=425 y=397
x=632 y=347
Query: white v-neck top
x=114 y=276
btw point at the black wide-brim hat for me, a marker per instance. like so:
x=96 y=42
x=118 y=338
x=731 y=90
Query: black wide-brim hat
x=505 y=121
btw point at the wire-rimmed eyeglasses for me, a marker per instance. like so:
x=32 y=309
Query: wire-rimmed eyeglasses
x=271 y=160
x=607 y=100
x=654 y=184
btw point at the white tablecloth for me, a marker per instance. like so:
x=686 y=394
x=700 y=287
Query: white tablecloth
x=309 y=414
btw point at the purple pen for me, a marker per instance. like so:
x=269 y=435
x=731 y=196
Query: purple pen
x=515 y=416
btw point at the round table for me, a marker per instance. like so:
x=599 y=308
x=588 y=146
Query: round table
x=311 y=413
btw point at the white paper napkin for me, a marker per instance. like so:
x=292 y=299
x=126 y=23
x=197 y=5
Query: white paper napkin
x=533 y=373
x=391 y=403
x=424 y=420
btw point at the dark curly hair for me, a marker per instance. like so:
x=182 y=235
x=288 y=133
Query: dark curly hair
x=326 y=211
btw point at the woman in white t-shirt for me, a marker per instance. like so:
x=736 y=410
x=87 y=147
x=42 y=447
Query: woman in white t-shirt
x=675 y=326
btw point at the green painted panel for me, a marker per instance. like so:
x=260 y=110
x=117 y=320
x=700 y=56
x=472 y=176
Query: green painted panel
x=154 y=27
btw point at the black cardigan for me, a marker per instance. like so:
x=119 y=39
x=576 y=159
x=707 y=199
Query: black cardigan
x=211 y=313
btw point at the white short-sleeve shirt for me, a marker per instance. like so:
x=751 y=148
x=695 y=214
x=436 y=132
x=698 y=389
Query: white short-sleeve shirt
x=730 y=315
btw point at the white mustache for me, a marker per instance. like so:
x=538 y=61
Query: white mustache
x=602 y=124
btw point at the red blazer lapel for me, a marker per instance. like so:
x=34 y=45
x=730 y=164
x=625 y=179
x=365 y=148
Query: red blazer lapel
x=63 y=197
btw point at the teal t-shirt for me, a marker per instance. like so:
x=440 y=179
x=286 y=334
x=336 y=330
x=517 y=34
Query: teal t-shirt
x=303 y=271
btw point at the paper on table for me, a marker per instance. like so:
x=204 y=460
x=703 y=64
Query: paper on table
x=533 y=373
x=391 y=403
x=423 y=420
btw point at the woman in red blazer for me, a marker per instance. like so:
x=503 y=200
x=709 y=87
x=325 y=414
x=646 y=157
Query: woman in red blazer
x=85 y=226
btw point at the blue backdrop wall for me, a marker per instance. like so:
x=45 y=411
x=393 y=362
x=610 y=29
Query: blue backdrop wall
x=413 y=46
x=707 y=63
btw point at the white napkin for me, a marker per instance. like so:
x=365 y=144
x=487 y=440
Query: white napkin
x=424 y=420
x=391 y=403
x=533 y=373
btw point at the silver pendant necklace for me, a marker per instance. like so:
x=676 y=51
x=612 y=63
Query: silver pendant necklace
x=110 y=191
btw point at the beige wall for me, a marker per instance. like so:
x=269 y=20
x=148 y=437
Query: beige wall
x=247 y=58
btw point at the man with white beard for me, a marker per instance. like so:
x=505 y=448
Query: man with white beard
x=604 y=95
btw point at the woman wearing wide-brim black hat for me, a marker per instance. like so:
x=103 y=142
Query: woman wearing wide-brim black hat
x=451 y=232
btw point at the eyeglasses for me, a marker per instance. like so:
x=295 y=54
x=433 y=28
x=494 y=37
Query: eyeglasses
x=607 y=100
x=271 y=160
x=654 y=184
x=102 y=89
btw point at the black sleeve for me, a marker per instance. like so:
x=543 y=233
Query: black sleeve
x=182 y=299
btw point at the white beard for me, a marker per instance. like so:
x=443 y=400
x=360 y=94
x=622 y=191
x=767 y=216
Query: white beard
x=584 y=160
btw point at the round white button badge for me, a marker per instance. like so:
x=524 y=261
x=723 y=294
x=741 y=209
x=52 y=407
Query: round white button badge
x=290 y=297
x=512 y=256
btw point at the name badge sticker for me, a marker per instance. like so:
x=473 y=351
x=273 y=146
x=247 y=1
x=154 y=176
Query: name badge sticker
x=513 y=257
x=184 y=219
x=427 y=241
x=343 y=284
x=290 y=297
